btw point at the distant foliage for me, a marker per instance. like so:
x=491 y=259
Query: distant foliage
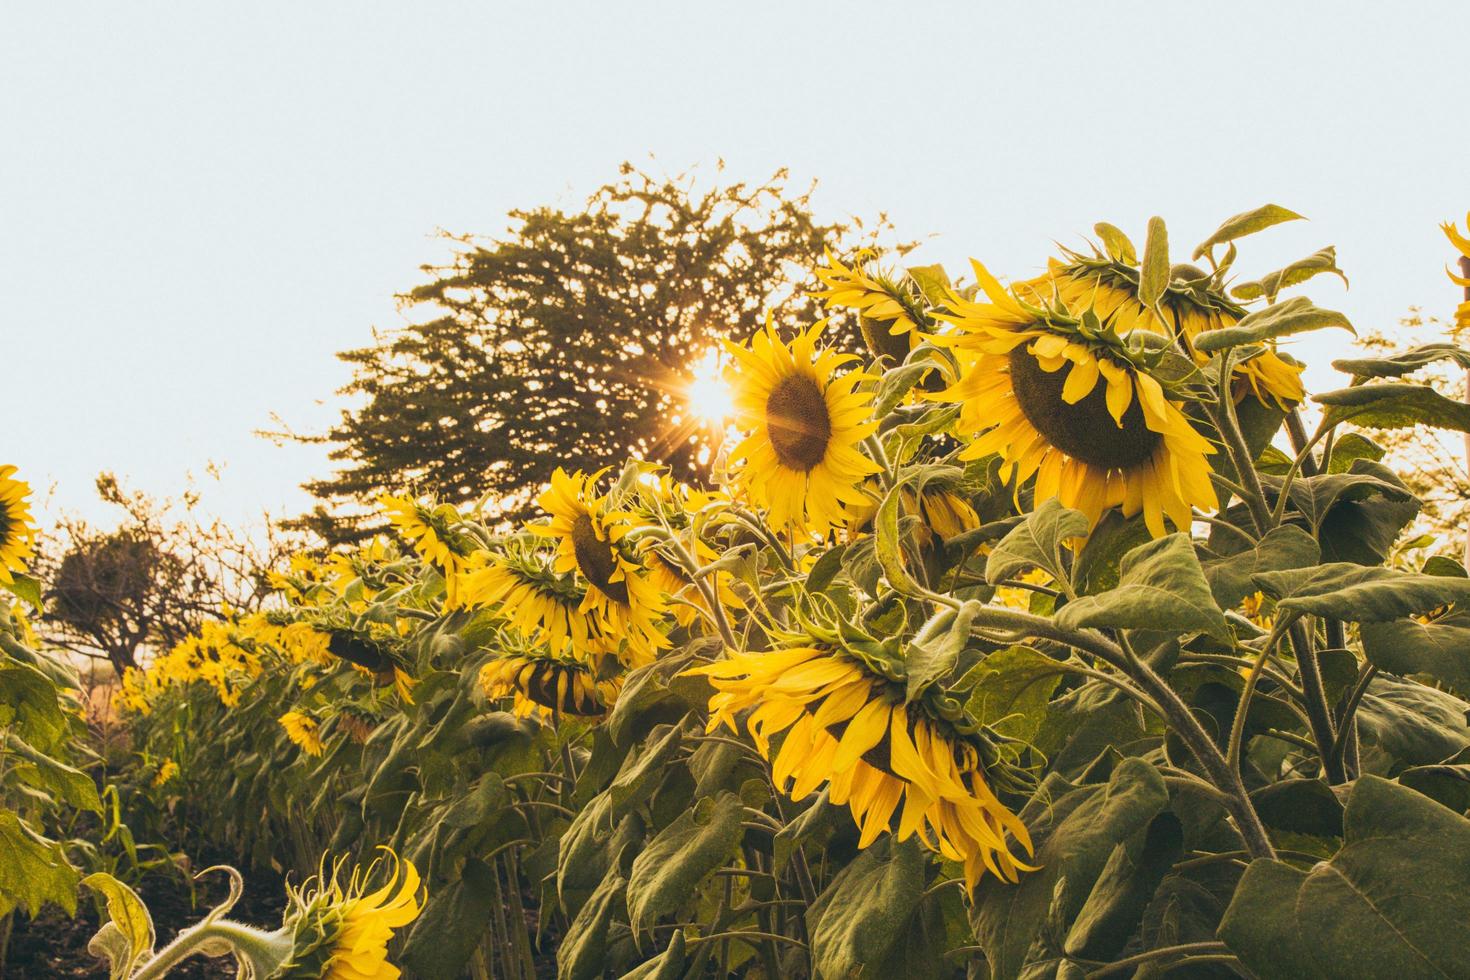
x=570 y=340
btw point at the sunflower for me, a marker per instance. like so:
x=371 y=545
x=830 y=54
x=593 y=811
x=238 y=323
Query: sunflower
x=17 y=533
x=941 y=511
x=1110 y=289
x=801 y=460
x=341 y=933
x=552 y=684
x=1094 y=430
x=1462 y=312
x=303 y=731
x=542 y=606
x=848 y=726
x=890 y=313
x=667 y=503
x=432 y=534
x=588 y=539
x=166 y=772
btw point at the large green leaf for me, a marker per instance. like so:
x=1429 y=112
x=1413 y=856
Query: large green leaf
x=33 y=870
x=1404 y=362
x=452 y=923
x=1037 y=542
x=1076 y=829
x=583 y=949
x=1246 y=223
x=126 y=937
x=1391 y=903
x=642 y=771
x=864 y=913
x=1322 y=261
x=1394 y=405
x=935 y=650
x=1404 y=723
x=1153 y=273
x=1160 y=587
x=1341 y=590
x=678 y=858
x=1293 y=316
x=1114 y=908
x=1283 y=547
x=70 y=785
x=668 y=965
x=1010 y=690
x=29 y=705
x=1440 y=648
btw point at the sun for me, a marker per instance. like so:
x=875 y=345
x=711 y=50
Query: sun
x=707 y=394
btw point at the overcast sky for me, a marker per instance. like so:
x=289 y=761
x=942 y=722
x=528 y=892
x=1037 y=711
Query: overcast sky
x=200 y=203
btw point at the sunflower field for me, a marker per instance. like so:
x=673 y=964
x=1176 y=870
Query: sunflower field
x=1063 y=634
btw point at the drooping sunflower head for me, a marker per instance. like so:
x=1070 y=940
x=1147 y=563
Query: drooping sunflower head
x=435 y=534
x=17 y=531
x=1462 y=245
x=801 y=460
x=824 y=714
x=546 y=684
x=341 y=932
x=1193 y=302
x=540 y=604
x=589 y=542
x=1075 y=412
x=304 y=732
x=891 y=311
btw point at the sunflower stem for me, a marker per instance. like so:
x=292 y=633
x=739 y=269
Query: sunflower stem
x=1171 y=706
x=1319 y=715
x=1237 y=725
x=1240 y=455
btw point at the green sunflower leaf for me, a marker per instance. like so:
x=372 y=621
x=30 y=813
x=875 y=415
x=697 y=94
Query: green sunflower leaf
x=1342 y=590
x=932 y=281
x=1037 y=542
x=1246 y=223
x=1394 y=405
x=1404 y=362
x=935 y=650
x=1350 y=447
x=1154 y=276
x=1076 y=829
x=1389 y=903
x=72 y=786
x=1284 y=547
x=1318 y=263
x=1161 y=586
x=1440 y=648
x=1010 y=690
x=26 y=588
x=1296 y=315
x=864 y=914
x=584 y=948
x=667 y=872
x=668 y=965
x=33 y=870
x=129 y=928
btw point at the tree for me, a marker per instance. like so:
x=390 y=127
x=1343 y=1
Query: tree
x=570 y=341
x=150 y=581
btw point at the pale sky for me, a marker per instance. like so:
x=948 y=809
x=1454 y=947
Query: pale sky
x=200 y=203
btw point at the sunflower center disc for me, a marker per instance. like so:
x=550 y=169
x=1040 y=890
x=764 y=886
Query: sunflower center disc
x=799 y=423
x=1086 y=430
x=595 y=559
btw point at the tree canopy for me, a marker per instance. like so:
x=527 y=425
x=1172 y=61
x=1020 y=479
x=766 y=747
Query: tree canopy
x=570 y=340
